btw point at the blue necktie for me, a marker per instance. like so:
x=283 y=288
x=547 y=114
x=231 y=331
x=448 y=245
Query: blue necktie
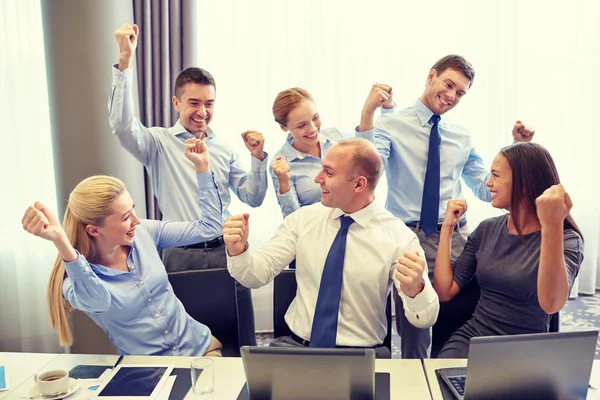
x=431 y=190
x=324 y=328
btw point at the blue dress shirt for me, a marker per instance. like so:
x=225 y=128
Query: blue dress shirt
x=171 y=173
x=402 y=139
x=138 y=309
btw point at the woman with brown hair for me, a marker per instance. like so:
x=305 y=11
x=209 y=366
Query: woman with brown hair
x=108 y=265
x=298 y=161
x=525 y=261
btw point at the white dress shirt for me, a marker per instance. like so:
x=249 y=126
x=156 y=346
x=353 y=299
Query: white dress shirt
x=375 y=241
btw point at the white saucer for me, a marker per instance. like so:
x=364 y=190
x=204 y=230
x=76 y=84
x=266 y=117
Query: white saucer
x=73 y=387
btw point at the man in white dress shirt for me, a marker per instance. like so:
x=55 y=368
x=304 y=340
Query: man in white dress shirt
x=380 y=251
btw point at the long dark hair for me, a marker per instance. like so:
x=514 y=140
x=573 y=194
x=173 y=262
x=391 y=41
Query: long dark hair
x=533 y=171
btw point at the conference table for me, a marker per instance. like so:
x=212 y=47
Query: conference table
x=407 y=380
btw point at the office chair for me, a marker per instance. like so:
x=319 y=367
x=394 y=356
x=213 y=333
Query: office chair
x=453 y=314
x=89 y=338
x=284 y=291
x=209 y=296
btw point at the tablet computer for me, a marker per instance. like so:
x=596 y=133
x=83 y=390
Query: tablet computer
x=135 y=382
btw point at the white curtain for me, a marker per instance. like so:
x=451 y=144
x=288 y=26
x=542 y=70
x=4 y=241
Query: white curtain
x=535 y=60
x=27 y=175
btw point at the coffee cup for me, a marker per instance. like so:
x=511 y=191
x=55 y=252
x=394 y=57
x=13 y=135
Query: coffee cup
x=52 y=382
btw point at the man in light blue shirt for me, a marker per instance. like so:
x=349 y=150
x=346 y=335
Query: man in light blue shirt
x=403 y=141
x=173 y=180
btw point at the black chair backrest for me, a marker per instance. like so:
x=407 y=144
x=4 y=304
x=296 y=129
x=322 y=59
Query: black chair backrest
x=284 y=291
x=209 y=296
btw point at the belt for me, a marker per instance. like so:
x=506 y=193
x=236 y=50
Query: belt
x=438 y=228
x=211 y=244
x=306 y=343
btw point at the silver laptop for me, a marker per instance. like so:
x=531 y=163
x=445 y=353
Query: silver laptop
x=282 y=373
x=534 y=366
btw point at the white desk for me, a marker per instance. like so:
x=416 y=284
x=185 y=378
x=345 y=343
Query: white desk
x=432 y=364
x=20 y=368
x=406 y=376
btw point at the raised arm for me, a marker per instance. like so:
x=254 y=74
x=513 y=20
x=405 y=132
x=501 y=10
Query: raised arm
x=553 y=207
x=443 y=275
x=82 y=289
x=132 y=134
x=250 y=187
x=208 y=225
x=259 y=268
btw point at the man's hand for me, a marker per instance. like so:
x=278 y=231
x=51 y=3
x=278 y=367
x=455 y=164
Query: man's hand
x=553 y=206
x=454 y=210
x=127 y=37
x=197 y=152
x=41 y=222
x=409 y=271
x=235 y=234
x=255 y=142
x=380 y=95
x=281 y=169
x=522 y=132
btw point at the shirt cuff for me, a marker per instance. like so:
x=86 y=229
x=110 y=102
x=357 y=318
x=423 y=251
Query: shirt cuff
x=121 y=78
x=388 y=110
x=369 y=135
x=260 y=166
x=239 y=262
x=418 y=303
x=78 y=269
x=205 y=179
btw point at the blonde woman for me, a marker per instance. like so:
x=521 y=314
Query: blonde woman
x=108 y=265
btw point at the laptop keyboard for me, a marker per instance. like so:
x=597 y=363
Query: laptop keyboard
x=459 y=384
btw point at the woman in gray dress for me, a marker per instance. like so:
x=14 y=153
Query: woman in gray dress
x=524 y=261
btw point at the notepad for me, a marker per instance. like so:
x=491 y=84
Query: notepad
x=3 y=384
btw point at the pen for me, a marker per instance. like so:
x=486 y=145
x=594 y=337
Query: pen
x=118 y=361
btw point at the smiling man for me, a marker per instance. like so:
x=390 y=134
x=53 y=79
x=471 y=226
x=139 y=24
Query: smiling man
x=425 y=156
x=349 y=252
x=173 y=179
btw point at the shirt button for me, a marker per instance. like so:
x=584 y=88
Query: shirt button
x=157 y=315
x=149 y=300
x=174 y=348
x=131 y=266
x=82 y=263
x=86 y=269
x=141 y=283
x=166 y=331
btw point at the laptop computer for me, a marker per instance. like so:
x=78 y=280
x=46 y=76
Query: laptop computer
x=533 y=366
x=285 y=373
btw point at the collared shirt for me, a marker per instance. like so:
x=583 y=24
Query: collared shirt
x=303 y=169
x=402 y=139
x=138 y=309
x=374 y=243
x=161 y=150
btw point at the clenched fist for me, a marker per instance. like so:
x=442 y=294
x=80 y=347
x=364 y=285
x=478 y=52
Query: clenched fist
x=281 y=169
x=380 y=95
x=235 y=234
x=40 y=221
x=197 y=152
x=454 y=210
x=127 y=37
x=553 y=206
x=409 y=271
x=522 y=132
x=255 y=142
